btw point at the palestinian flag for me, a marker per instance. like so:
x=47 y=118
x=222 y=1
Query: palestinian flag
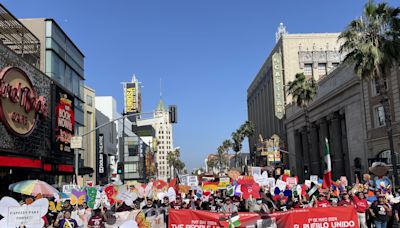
x=312 y=191
x=327 y=181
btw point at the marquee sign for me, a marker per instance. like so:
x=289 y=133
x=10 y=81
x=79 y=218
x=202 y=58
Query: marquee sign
x=20 y=106
x=64 y=121
x=278 y=85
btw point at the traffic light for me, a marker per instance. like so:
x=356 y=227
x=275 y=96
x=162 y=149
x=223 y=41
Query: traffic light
x=173 y=114
x=120 y=168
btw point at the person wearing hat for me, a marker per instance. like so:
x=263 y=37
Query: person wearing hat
x=361 y=205
x=380 y=212
x=345 y=202
x=228 y=206
x=321 y=201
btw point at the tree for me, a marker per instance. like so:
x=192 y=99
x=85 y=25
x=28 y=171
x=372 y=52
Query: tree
x=227 y=145
x=211 y=164
x=173 y=159
x=221 y=158
x=246 y=130
x=372 y=44
x=303 y=92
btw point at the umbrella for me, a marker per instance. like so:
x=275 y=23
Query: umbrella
x=33 y=188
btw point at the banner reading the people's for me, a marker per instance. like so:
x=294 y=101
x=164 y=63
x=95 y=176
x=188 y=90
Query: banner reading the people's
x=299 y=218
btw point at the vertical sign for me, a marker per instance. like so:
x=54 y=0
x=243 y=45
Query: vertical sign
x=101 y=154
x=64 y=121
x=278 y=85
x=131 y=101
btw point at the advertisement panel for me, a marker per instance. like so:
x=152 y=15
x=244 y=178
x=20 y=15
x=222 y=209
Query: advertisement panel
x=304 y=218
x=131 y=98
x=64 y=120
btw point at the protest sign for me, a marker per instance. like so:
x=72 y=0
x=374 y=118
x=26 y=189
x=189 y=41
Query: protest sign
x=192 y=181
x=255 y=170
x=314 y=178
x=281 y=185
x=67 y=189
x=223 y=182
x=291 y=181
x=262 y=179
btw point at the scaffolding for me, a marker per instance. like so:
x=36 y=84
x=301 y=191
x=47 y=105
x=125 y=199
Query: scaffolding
x=18 y=38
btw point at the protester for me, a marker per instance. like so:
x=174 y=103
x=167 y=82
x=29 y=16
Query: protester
x=97 y=220
x=66 y=221
x=150 y=208
x=380 y=212
x=361 y=206
x=228 y=207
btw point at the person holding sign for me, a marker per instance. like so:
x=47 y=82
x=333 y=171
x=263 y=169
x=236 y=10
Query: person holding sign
x=66 y=222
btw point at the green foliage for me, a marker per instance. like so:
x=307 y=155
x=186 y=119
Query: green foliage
x=302 y=90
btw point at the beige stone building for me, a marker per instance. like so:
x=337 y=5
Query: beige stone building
x=315 y=54
x=89 y=141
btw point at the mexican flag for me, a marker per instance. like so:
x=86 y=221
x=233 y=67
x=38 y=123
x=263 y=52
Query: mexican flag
x=327 y=181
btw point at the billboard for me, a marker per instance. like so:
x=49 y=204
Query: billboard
x=132 y=98
x=64 y=120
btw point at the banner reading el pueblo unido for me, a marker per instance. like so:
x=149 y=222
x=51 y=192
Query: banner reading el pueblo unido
x=298 y=218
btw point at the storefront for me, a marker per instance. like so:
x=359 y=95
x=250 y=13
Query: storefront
x=33 y=144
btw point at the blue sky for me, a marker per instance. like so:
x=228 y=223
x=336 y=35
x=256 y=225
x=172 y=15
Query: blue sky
x=207 y=52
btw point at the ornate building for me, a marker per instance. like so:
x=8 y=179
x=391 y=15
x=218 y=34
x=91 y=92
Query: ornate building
x=315 y=54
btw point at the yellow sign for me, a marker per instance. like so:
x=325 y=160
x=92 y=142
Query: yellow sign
x=130 y=98
x=278 y=85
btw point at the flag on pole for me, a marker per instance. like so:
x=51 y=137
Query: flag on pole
x=327 y=181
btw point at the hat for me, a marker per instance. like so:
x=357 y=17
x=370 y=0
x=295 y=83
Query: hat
x=379 y=168
x=381 y=196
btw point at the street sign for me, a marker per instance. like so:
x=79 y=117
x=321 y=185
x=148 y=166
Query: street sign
x=76 y=142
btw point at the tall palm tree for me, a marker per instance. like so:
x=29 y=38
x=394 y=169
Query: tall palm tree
x=246 y=130
x=303 y=92
x=372 y=43
x=173 y=159
x=221 y=158
x=227 y=145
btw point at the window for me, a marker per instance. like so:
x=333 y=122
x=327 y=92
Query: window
x=89 y=100
x=379 y=116
x=308 y=70
x=334 y=66
x=131 y=168
x=133 y=150
x=375 y=87
x=321 y=69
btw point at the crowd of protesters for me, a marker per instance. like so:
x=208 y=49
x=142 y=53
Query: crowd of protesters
x=376 y=205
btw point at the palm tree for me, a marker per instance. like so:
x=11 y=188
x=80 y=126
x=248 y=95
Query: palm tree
x=303 y=92
x=173 y=159
x=211 y=163
x=373 y=45
x=221 y=158
x=227 y=145
x=246 y=130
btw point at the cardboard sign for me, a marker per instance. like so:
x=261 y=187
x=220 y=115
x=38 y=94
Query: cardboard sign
x=68 y=188
x=314 y=178
x=24 y=216
x=192 y=181
x=291 y=181
x=261 y=179
x=224 y=182
x=271 y=182
x=281 y=185
x=256 y=170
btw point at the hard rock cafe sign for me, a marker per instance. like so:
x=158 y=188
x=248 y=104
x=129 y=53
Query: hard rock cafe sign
x=20 y=107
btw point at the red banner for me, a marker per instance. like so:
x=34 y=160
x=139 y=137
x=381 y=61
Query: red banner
x=299 y=218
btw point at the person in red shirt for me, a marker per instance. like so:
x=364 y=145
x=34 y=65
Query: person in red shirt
x=322 y=202
x=361 y=206
x=97 y=220
x=346 y=200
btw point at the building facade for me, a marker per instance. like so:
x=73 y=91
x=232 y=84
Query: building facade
x=106 y=148
x=35 y=113
x=314 y=54
x=164 y=136
x=336 y=114
x=62 y=61
x=89 y=157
